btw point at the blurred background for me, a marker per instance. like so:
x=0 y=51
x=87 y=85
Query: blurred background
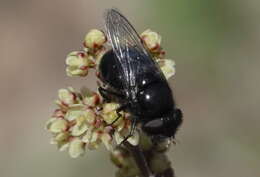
x=215 y=45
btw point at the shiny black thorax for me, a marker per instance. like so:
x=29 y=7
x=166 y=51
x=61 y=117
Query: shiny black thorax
x=153 y=105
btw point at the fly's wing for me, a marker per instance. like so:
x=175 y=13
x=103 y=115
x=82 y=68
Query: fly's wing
x=134 y=60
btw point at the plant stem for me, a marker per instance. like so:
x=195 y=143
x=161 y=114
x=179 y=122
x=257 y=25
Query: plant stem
x=143 y=160
x=147 y=159
x=140 y=159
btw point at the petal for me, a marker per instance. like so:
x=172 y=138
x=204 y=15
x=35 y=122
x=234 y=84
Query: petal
x=78 y=130
x=134 y=140
x=100 y=53
x=107 y=140
x=73 y=71
x=77 y=59
x=167 y=67
x=91 y=100
x=74 y=112
x=49 y=122
x=109 y=113
x=59 y=113
x=88 y=135
x=74 y=61
x=63 y=146
x=118 y=137
x=94 y=145
x=151 y=39
x=58 y=126
x=109 y=107
x=61 y=137
x=120 y=124
x=94 y=137
x=76 y=148
x=94 y=140
x=94 y=38
x=66 y=96
x=90 y=116
x=77 y=63
x=53 y=141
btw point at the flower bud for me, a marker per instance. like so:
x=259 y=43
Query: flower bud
x=78 y=63
x=167 y=66
x=58 y=113
x=109 y=113
x=152 y=40
x=67 y=97
x=94 y=39
x=99 y=54
x=90 y=98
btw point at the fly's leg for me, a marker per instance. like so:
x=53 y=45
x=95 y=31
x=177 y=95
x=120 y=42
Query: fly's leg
x=121 y=108
x=108 y=95
x=133 y=127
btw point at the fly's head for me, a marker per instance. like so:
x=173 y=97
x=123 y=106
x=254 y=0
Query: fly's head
x=164 y=126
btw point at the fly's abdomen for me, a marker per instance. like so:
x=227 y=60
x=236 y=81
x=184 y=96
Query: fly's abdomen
x=155 y=100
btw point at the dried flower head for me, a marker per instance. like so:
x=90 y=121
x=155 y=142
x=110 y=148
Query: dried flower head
x=83 y=121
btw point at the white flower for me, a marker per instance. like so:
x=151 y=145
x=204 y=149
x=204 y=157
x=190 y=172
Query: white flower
x=61 y=140
x=99 y=54
x=152 y=40
x=80 y=127
x=109 y=113
x=57 y=125
x=94 y=39
x=134 y=139
x=167 y=66
x=74 y=111
x=66 y=97
x=90 y=98
x=78 y=63
x=120 y=136
x=76 y=148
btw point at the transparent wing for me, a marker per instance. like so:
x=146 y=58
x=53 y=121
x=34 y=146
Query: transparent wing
x=134 y=60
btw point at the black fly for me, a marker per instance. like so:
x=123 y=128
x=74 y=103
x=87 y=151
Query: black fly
x=135 y=81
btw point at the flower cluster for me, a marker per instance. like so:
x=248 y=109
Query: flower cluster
x=83 y=121
x=79 y=62
x=152 y=40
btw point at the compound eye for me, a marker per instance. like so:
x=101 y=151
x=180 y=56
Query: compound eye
x=153 y=127
x=154 y=123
